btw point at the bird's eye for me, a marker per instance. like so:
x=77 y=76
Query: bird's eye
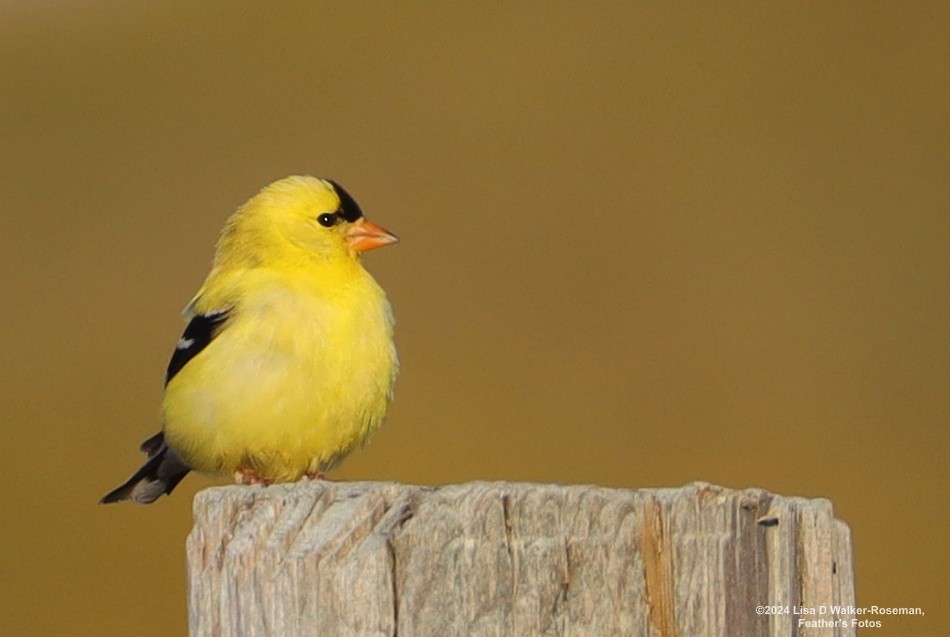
x=327 y=219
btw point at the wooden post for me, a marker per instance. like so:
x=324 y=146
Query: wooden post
x=384 y=559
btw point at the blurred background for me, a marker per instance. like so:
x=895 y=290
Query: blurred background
x=643 y=244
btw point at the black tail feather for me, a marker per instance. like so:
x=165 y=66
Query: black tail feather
x=153 y=445
x=159 y=475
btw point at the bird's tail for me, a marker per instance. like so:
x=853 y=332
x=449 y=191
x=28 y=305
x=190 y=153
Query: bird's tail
x=160 y=474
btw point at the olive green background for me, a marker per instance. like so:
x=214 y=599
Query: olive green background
x=643 y=244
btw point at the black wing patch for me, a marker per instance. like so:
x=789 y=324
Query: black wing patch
x=200 y=331
x=349 y=209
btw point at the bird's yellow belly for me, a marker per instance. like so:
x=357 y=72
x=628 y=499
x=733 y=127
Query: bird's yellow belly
x=282 y=403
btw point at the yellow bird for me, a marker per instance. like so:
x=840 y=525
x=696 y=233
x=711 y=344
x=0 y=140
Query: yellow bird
x=287 y=363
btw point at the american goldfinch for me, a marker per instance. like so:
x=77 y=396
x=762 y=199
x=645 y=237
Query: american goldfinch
x=287 y=362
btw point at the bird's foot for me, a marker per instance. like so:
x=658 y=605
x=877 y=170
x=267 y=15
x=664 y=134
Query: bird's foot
x=248 y=476
x=315 y=475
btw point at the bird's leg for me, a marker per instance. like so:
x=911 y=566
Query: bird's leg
x=248 y=476
x=316 y=475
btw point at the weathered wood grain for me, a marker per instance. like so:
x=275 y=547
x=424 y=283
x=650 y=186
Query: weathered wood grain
x=340 y=559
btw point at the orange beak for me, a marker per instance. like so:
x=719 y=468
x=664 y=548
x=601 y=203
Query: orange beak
x=363 y=236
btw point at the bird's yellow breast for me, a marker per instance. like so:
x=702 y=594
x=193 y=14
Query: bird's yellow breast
x=300 y=375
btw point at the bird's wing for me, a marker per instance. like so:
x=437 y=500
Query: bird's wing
x=200 y=332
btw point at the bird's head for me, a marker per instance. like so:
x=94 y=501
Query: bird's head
x=300 y=215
